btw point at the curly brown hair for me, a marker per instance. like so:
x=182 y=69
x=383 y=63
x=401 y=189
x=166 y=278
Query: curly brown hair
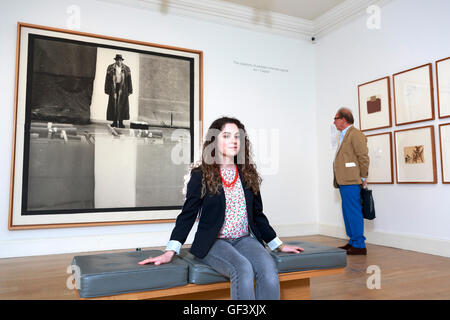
x=211 y=169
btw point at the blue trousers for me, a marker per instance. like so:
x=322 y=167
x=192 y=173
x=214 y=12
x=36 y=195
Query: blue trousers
x=352 y=212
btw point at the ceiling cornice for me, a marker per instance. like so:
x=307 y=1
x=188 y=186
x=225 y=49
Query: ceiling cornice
x=266 y=21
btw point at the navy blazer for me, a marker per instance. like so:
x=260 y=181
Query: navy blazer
x=212 y=216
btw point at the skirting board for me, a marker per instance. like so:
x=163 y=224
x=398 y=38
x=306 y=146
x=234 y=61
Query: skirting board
x=59 y=245
x=90 y=243
x=39 y=246
x=296 y=229
x=440 y=247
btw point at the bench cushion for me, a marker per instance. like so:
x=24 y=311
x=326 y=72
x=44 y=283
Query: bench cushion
x=200 y=272
x=116 y=273
x=316 y=256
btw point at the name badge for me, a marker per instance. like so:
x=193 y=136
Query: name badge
x=350 y=164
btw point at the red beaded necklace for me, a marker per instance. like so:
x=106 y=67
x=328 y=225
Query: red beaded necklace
x=229 y=185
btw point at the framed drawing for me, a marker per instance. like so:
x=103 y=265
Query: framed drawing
x=374 y=100
x=105 y=129
x=381 y=170
x=415 y=155
x=443 y=87
x=413 y=95
x=444 y=139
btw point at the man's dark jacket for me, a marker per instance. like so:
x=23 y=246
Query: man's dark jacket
x=125 y=89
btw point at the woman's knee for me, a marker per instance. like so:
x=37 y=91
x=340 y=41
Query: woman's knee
x=243 y=270
x=269 y=278
x=267 y=270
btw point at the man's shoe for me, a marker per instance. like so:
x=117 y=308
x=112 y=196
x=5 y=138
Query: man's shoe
x=114 y=124
x=357 y=251
x=346 y=247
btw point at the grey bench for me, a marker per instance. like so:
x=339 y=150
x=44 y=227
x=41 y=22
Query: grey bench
x=118 y=275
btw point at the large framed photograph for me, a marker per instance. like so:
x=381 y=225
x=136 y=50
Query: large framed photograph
x=413 y=95
x=444 y=139
x=415 y=155
x=380 y=154
x=374 y=100
x=443 y=87
x=105 y=129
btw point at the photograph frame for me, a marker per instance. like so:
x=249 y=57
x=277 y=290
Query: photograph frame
x=100 y=217
x=387 y=146
x=443 y=114
x=411 y=93
x=383 y=119
x=445 y=154
x=427 y=150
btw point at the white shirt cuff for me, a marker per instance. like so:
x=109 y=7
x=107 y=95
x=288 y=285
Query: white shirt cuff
x=173 y=245
x=275 y=243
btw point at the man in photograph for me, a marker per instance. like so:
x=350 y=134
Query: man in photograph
x=351 y=168
x=118 y=86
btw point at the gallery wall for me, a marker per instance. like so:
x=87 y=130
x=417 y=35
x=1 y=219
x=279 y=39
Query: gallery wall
x=264 y=80
x=409 y=216
x=286 y=91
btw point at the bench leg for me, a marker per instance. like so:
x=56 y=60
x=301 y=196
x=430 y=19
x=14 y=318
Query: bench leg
x=290 y=290
x=222 y=294
x=295 y=289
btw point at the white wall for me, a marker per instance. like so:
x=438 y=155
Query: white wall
x=293 y=106
x=413 y=32
x=279 y=102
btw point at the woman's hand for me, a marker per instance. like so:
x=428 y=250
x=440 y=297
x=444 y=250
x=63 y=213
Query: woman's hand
x=291 y=249
x=164 y=258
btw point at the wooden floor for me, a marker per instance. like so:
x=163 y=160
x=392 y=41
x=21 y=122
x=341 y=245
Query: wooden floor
x=404 y=275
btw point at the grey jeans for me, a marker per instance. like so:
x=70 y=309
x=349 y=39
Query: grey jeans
x=244 y=260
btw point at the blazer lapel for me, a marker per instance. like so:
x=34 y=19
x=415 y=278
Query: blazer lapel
x=339 y=148
x=222 y=200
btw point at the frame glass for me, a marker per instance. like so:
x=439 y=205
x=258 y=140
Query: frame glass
x=105 y=129
x=381 y=170
x=443 y=87
x=415 y=156
x=374 y=100
x=444 y=140
x=413 y=95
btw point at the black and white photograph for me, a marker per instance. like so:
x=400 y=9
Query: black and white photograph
x=106 y=129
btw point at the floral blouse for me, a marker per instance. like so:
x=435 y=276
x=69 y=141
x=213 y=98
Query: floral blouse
x=236 y=221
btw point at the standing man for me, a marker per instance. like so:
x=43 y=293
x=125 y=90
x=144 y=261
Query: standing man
x=118 y=86
x=351 y=168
